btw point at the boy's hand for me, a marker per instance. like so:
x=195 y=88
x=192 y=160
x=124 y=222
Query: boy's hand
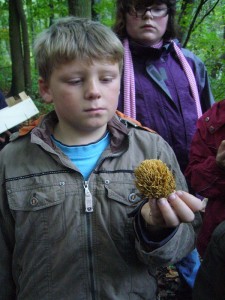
x=178 y=207
x=220 y=157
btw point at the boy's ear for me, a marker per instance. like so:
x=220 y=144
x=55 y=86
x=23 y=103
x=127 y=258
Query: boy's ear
x=44 y=90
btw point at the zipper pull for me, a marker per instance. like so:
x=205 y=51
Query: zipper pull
x=88 y=198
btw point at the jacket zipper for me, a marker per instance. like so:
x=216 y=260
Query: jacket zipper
x=88 y=209
x=88 y=198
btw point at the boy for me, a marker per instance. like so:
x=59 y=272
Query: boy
x=68 y=202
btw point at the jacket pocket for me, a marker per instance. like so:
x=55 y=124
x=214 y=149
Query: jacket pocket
x=123 y=198
x=38 y=211
x=123 y=193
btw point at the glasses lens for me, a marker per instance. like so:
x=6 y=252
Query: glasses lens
x=158 y=12
x=140 y=11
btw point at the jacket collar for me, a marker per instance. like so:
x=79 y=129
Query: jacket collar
x=147 y=51
x=42 y=129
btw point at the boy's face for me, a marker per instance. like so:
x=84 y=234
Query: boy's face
x=85 y=97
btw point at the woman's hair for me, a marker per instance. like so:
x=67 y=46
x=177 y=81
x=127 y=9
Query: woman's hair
x=122 y=8
x=73 y=38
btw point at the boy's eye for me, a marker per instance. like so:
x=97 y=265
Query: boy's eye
x=107 y=79
x=75 y=81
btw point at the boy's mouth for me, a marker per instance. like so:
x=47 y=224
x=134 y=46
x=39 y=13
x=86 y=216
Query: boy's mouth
x=94 y=109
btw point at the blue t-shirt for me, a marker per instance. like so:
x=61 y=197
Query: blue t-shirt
x=85 y=157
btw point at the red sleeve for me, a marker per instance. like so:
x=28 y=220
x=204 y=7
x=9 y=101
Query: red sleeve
x=202 y=173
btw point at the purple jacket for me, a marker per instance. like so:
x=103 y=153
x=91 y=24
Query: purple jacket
x=163 y=98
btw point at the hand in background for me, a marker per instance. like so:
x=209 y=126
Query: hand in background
x=220 y=157
x=4 y=136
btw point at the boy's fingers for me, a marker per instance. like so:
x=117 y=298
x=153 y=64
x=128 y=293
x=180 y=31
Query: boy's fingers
x=183 y=211
x=191 y=201
x=169 y=215
x=179 y=207
x=151 y=212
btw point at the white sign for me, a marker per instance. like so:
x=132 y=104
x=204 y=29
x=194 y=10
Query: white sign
x=11 y=116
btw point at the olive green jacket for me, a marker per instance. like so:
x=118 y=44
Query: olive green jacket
x=53 y=246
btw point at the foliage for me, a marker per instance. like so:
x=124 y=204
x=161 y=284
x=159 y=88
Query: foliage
x=206 y=43
x=106 y=11
x=206 y=39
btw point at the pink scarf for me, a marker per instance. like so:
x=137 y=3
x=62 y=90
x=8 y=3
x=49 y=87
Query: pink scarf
x=129 y=82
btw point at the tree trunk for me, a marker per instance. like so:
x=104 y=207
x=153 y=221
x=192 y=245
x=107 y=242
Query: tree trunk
x=18 y=81
x=95 y=16
x=184 y=18
x=51 y=17
x=26 y=45
x=80 y=8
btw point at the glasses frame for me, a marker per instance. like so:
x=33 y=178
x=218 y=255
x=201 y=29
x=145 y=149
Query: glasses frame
x=133 y=12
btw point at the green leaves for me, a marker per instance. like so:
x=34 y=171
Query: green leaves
x=202 y=29
x=206 y=38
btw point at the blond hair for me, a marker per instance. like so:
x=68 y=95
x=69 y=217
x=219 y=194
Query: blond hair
x=71 y=38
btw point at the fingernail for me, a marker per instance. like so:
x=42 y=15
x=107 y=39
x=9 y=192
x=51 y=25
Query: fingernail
x=172 y=196
x=179 y=193
x=162 y=201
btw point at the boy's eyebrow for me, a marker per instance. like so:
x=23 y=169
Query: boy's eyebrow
x=102 y=70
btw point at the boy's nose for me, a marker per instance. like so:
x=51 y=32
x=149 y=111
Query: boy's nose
x=92 y=91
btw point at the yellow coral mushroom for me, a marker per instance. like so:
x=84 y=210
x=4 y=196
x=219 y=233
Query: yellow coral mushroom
x=154 y=179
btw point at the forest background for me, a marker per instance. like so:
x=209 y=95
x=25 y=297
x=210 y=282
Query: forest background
x=201 y=29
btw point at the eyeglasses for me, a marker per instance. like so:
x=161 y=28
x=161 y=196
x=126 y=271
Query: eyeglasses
x=156 y=12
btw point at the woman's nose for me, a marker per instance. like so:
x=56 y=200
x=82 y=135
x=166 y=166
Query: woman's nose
x=148 y=14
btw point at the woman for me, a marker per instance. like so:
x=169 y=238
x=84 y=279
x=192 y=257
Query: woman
x=164 y=86
x=158 y=92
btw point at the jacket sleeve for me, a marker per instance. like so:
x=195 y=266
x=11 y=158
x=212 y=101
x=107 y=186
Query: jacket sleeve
x=203 y=174
x=149 y=240
x=202 y=80
x=7 y=286
x=178 y=246
x=173 y=244
x=206 y=96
